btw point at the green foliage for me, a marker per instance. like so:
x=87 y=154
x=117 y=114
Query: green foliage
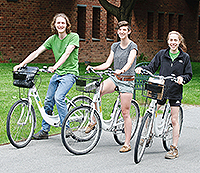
x=142 y=58
x=10 y=94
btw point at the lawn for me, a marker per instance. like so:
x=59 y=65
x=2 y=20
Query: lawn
x=9 y=94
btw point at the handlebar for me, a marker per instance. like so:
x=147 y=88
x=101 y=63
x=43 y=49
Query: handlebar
x=44 y=69
x=108 y=72
x=172 y=77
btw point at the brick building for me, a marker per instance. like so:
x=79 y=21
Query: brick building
x=25 y=25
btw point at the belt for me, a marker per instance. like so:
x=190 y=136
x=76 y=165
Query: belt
x=125 y=78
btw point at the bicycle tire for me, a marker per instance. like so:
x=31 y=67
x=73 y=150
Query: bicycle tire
x=20 y=124
x=143 y=137
x=119 y=132
x=167 y=140
x=79 y=142
x=78 y=100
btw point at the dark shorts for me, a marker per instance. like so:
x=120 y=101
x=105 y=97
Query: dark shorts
x=171 y=102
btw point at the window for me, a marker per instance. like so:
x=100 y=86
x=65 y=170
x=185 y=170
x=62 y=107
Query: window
x=171 y=22
x=81 y=22
x=96 y=23
x=150 y=26
x=110 y=27
x=199 y=30
x=180 y=23
x=160 y=26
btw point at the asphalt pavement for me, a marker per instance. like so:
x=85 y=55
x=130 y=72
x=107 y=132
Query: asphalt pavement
x=51 y=156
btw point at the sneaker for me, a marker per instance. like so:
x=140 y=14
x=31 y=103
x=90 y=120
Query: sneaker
x=173 y=153
x=68 y=133
x=125 y=148
x=90 y=127
x=41 y=135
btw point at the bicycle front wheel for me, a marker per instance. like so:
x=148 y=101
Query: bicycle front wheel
x=119 y=133
x=78 y=100
x=21 y=123
x=168 y=136
x=144 y=137
x=75 y=123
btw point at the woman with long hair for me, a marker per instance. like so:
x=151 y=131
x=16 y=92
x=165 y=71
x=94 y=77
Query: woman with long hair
x=173 y=60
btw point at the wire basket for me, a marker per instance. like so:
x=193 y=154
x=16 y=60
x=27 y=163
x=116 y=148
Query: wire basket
x=87 y=84
x=24 y=78
x=154 y=89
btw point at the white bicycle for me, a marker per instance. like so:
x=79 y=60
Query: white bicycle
x=153 y=125
x=21 y=119
x=78 y=118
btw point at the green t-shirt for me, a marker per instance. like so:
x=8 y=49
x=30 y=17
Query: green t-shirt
x=59 y=46
x=173 y=56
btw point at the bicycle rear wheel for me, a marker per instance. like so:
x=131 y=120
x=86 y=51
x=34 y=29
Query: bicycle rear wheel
x=119 y=133
x=78 y=119
x=21 y=123
x=78 y=100
x=168 y=136
x=144 y=137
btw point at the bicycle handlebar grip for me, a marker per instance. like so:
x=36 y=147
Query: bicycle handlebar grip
x=91 y=70
x=144 y=72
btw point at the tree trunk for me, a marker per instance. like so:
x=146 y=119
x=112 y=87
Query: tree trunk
x=123 y=12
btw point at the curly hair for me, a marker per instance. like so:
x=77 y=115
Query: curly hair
x=53 y=28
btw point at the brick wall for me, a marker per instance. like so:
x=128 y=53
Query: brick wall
x=189 y=27
x=25 y=25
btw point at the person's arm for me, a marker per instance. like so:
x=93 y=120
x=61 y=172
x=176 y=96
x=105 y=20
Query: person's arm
x=129 y=63
x=153 y=65
x=63 y=58
x=187 y=76
x=31 y=57
x=105 y=65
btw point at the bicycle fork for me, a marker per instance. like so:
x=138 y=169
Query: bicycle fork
x=25 y=114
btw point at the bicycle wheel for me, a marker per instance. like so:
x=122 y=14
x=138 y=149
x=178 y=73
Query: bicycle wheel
x=168 y=136
x=144 y=137
x=78 y=100
x=21 y=123
x=119 y=132
x=78 y=119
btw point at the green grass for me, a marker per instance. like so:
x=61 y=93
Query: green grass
x=9 y=94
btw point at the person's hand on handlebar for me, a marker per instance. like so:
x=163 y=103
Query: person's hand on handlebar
x=15 y=68
x=138 y=70
x=118 y=72
x=88 y=67
x=51 y=69
x=180 y=80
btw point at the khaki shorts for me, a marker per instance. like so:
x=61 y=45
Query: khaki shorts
x=124 y=86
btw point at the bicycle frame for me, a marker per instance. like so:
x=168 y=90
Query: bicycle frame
x=158 y=128
x=107 y=125
x=51 y=120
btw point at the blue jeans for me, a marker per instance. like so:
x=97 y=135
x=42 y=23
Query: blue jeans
x=59 y=86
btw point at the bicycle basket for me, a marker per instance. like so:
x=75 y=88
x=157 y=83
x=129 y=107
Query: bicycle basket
x=86 y=83
x=154 y=89
x=25 y=77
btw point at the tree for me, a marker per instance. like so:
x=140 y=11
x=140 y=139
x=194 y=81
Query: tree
x=123 y=12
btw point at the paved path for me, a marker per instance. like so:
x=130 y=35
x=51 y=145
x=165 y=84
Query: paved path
x=50 y=155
